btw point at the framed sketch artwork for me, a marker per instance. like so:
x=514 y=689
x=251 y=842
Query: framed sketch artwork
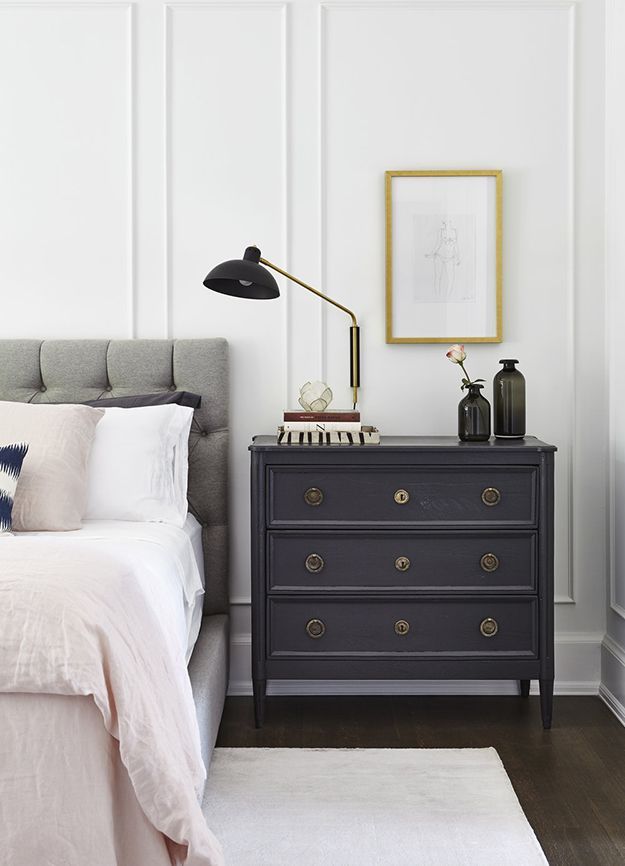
x=443 y=256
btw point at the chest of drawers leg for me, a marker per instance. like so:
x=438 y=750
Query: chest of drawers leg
x=420 y=559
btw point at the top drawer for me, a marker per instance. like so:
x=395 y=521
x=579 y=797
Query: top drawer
x=459 y=495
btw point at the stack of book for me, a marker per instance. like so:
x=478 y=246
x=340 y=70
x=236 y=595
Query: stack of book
x=341 y=427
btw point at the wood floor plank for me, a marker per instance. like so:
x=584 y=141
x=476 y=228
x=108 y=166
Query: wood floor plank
x=570 y=781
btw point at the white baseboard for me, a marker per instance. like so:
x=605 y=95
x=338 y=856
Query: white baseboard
x=613 y=703
x=612 y=688
x=578 y=668
x=405 y=687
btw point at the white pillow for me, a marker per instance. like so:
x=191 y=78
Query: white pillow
x=138 y=468
x=52 y=488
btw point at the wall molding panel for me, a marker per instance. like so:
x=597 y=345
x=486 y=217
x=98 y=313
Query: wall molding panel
x=169 y=10
x=66 y=193
x=571 y=455
x=615 y=299
x=613 y=649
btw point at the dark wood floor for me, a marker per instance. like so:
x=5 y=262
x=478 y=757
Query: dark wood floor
x=570 y=780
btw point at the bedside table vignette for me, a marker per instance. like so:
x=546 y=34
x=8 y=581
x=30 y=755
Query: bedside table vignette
x=420 y=558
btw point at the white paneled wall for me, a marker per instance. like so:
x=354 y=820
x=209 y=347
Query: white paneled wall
x=141 y=143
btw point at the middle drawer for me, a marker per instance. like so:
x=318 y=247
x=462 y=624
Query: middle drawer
x=422 y=562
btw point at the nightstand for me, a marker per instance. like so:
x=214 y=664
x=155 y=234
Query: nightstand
x=419 y=558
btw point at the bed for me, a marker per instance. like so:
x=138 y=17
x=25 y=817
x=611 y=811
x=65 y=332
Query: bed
x=71 y=754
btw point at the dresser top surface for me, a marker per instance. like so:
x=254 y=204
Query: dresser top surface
x=413 y=443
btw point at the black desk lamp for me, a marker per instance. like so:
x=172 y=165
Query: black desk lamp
x=246 y=278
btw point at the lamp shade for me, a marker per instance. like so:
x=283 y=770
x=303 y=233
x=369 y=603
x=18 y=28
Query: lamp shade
x=243 y=278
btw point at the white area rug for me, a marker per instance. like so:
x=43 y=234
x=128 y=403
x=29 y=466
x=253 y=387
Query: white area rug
x=367 y=807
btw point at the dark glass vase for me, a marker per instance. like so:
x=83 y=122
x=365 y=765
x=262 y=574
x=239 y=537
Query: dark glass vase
x=509 y=401
x=474 y=416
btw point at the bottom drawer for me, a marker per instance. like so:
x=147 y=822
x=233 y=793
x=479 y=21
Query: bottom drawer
x=491 y=627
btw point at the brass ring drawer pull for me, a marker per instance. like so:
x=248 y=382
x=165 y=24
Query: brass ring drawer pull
x=313 y=496
x=314 y=563
x=402 y=627
x=401 y=496
x=489 y=562
x=491 y=496
x=402 y=563
x=489 y=627
x=315 y=628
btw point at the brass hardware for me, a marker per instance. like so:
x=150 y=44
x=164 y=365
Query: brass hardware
x=313 y=496
x=401 y=496
x=491 y=496
x=402 y=627
x=489 y=562
x=402 y=563
x=489 y=627
x=314 y=562
x=315 y=628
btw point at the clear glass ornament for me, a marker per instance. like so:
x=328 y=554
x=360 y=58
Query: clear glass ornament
x=315 y=397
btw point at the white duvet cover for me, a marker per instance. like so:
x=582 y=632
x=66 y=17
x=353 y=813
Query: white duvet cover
x=167 y=564
x=99 y=754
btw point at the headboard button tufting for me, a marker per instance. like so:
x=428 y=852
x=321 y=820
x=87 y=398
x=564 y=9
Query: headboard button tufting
x=43 y=388
x=204 y=432
x=109 y=388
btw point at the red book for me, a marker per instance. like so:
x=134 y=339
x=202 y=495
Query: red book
x=339 y=415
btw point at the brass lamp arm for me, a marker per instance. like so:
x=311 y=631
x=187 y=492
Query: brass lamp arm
x=354 y=331
x=246 y=278
x=310 y=289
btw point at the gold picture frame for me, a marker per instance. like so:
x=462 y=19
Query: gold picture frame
x=436 y=290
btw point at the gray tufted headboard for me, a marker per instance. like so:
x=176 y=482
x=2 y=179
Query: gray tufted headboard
x=56 y=371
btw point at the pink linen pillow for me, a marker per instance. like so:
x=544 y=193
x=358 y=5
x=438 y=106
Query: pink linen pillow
x=52 y=490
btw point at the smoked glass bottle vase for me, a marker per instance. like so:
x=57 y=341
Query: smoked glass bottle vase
x=509 y=401
x=474 y=416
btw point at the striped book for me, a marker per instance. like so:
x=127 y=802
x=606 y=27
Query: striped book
x=365 y=436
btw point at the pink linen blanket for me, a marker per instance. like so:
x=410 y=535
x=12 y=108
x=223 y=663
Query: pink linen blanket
x=79 y=625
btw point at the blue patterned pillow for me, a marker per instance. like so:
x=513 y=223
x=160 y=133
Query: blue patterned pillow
x=11 y=459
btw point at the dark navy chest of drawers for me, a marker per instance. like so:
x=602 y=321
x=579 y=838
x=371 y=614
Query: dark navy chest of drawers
x=419 y=558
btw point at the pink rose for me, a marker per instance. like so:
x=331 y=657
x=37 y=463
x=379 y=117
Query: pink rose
x=456 y=353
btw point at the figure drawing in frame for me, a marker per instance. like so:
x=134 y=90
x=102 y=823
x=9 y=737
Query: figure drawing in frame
x=445 y=259
x=444 y=264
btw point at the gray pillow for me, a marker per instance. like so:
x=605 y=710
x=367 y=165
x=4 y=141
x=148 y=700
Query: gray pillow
x=182 y=398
